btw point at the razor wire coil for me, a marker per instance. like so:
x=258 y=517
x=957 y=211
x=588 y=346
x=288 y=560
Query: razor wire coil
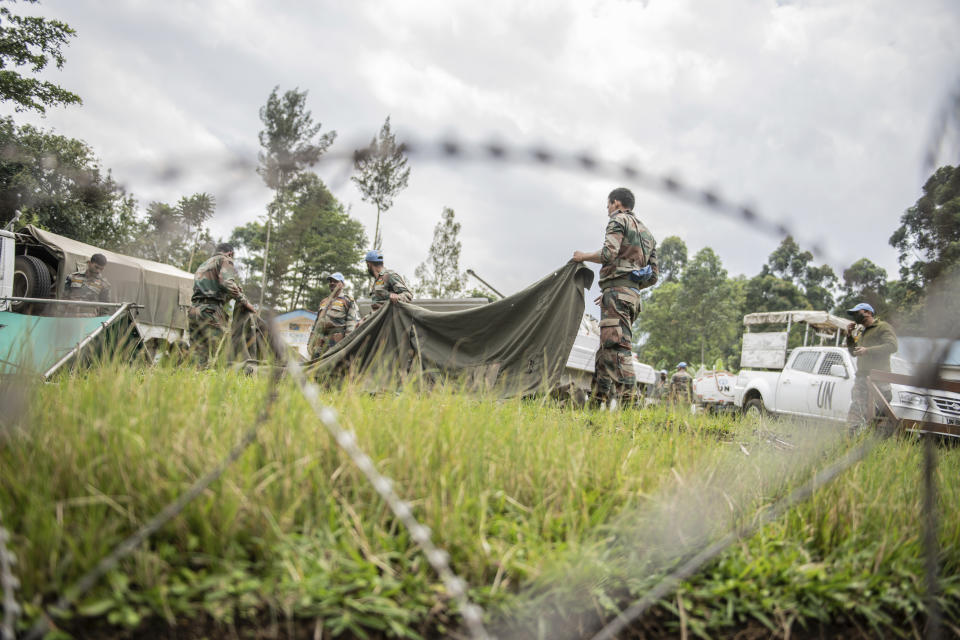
x=9 y=584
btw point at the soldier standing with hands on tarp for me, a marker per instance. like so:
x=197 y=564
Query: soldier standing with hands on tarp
x=336 y=318
x=628 y=262
x=872 y=347
x=387 y=284
x=214 y=283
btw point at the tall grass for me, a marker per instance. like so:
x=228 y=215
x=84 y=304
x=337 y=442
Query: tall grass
x=552 y=515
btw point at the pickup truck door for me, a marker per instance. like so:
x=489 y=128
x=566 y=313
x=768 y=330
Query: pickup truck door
x=793 y=386
x=830 y=394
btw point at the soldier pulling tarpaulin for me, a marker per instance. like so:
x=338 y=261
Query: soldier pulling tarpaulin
x=514 y=346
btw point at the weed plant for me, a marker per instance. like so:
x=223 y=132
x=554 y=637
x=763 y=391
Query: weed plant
x=556 y=517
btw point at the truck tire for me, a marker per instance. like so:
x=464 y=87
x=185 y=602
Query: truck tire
x=31 y=279
x=754 y=408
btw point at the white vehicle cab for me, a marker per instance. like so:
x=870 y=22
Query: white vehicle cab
x=810 y=381
x=817 y=381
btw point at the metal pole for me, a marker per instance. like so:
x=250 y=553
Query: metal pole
x=931 y=545
x=80 y=345
x=485 y=283
x=76 y=303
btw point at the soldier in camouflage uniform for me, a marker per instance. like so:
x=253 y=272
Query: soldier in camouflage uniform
x=89 y=286
x=629 y=263
x=214 y=284
x=681 y=386
x=337 y=317
x=387 y=285
x=872 y=348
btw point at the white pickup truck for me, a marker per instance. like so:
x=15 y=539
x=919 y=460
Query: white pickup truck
x=816 y=381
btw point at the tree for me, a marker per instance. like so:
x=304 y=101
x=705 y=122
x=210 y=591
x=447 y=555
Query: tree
x=318 y=237
x=439 y=276
x=788 y=264
x=864 y=281
x=195 y=211
x=672 y=257
x=767 y=292
x=694 y=318
x=288 y=148
x=59 y=185
x=383 y=173
x=29 y=44
x=174 y=234
x=928 y=238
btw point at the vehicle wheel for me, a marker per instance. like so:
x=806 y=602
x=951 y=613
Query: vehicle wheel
x=754 y=408
x=31 y=279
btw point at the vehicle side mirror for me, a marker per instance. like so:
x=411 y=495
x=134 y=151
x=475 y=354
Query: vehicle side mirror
x=838 y=371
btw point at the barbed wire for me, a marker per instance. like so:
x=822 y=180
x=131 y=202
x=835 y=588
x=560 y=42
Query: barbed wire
x=171 y=510
x=691 y=566
x=949 y=114
x=9 y=584
x=438 y=558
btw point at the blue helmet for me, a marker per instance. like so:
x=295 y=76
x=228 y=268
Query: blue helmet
x=682 y=365
x=375 y=256
x=336 y=275
x=863 y=306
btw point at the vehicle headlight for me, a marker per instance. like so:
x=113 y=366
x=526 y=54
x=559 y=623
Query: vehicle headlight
x=914 y=400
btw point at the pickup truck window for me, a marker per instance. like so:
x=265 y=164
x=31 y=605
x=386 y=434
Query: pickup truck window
x=828 y=361
x=805 y=361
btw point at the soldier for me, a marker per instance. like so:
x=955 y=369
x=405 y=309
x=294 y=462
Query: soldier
x=214 y=284
x=89 y=286
x=336 y=318
x=387 y=285
x=629 y=263
x=872 y=348
x=660 y=389
x=681 y=385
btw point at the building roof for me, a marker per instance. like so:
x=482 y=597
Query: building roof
x=296 y=313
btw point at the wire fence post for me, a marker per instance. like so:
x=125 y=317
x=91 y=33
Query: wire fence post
x=931 y=544
x=8 y=584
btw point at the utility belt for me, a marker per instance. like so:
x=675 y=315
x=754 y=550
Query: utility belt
x=623 y=281
x=199 y=301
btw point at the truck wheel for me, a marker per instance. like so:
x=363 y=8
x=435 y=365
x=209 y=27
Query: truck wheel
x=31 y=279
x=754 y=408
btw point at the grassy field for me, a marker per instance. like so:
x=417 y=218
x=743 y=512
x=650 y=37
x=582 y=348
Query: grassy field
x=556 y=518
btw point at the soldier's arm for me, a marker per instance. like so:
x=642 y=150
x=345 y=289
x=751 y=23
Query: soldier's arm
x=395 y=284
x=654 y=265
x=231 y=282
x=612 y=240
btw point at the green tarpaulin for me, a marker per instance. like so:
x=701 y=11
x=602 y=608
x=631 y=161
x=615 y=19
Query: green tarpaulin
x=514 y=346
x=32 y=344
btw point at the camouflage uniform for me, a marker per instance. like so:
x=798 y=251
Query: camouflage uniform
x=338 y=320
x=681 y=388
x=627 y=246
x=85 y=286
x=386 y=283
x=214 y=284
x=880 y=341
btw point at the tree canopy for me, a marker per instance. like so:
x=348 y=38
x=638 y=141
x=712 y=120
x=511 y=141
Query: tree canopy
x=440 y=276
x=383 y=173
x=27 y=45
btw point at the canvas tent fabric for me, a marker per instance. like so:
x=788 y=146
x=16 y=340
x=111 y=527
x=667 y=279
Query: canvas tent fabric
x=820 y=320
x=163 y=291
x=30 y=345
x=518 y=345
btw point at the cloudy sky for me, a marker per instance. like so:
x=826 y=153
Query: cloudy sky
x=815 y=112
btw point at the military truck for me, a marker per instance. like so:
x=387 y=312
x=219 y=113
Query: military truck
x=39 y=329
